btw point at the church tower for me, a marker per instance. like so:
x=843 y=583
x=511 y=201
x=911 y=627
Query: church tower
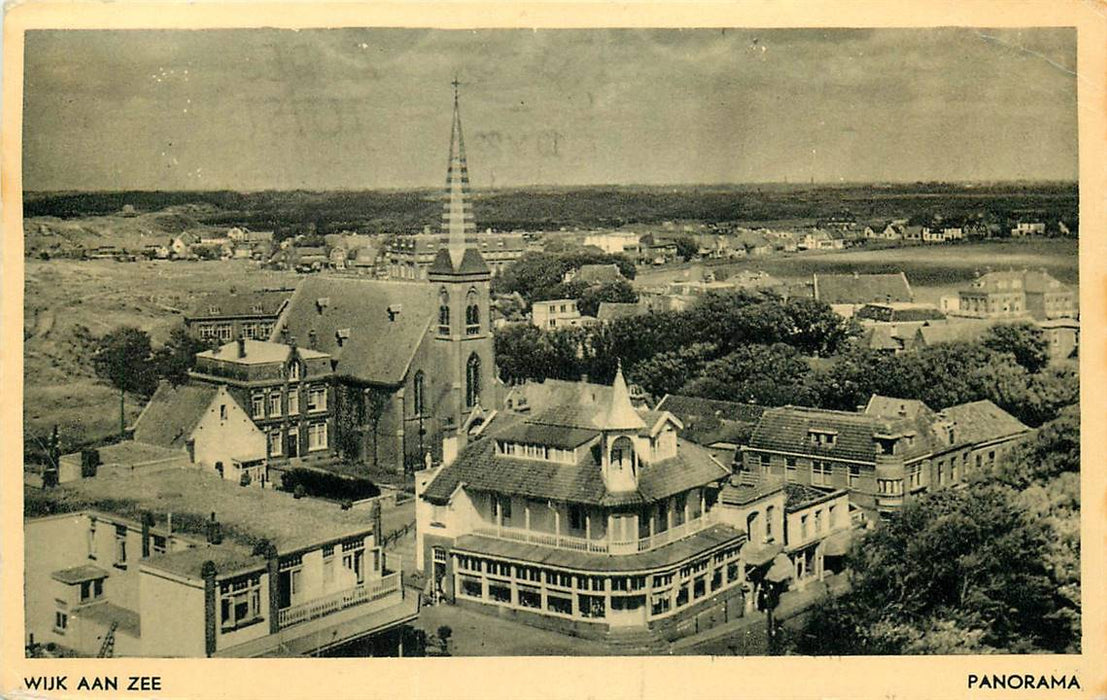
x=463 y=334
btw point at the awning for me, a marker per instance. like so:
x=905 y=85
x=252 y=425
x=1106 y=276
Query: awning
x=759 y=555
x=781 y=570
x=837 y=544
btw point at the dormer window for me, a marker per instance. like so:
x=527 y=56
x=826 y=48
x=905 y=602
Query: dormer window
x=256 y=308
x=341 y=336
x=822 y=438
x=213 y=310
x=293 y=370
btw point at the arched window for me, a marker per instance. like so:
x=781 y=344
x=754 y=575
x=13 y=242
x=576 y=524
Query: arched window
x=472 y=313
x=443 y=313
x=420 y=394
x=472 y=381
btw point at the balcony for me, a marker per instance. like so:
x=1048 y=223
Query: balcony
x=608 y=545
x=358 y=595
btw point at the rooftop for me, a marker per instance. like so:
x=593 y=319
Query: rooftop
x=862 y=289
x=233 y=304
x=106 y=613
x=79 y=574
x=257 y=352
x=247 y=514
x=172 y=413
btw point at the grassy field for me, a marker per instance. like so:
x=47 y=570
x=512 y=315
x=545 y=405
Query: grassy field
x=65 y=302
x=929 y=269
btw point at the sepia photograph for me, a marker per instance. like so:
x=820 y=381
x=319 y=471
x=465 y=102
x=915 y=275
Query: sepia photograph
x=546 y=342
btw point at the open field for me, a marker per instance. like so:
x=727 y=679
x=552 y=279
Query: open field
x=929 y=269
x=66 y=301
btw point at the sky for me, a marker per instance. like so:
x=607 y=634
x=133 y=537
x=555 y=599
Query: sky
x=255 y=109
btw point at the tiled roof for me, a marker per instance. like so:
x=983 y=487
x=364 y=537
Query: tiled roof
x=891 y=407
x=549 y=435
x=227 y=305
x=960 y=330
x=798 y=496
x=692 y=467
x=738 y=494
x=879 y=338
x=690 y=407
x=172 y=414
x=1033 y=281
x=981 y=421
x=788 y=429
x=862 y=289
x=668 y=555
x=379 y=350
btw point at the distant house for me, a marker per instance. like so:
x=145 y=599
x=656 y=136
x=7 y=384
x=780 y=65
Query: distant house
x=721 y=426
x=615 y=243
x=1063 y=336
x=225 y=316
x=656 y=250
x=892 y=232
x=209 y=424
x=1028 y=228
x=913 y=233
x=558 y=313
x=953 y=331
x=933 y=235
x=1014 y=293
x=181 y=246
x=898 y=312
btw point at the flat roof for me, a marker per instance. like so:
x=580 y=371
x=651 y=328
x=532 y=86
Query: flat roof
x=228 y=557
x=106 y=613
x=667 y=555
x=257 y=352
x=247 y=514
x=79 y=574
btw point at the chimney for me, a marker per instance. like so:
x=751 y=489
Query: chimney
x=584 y=377
x=903 y=410
x=284 y=336
x=856 y=275
x=313 y=337
x=241 y=346
x=292 y=343
x=215 y=530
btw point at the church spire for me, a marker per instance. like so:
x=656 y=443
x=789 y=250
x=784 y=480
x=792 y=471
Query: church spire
x=457 y=219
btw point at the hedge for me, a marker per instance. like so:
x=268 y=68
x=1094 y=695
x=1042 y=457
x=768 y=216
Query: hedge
x=326 y=485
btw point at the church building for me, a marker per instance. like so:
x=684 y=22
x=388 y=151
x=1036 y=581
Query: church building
x=413 y=360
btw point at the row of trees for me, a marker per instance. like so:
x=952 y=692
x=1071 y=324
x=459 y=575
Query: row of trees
x=540 y=275
x=992 y=568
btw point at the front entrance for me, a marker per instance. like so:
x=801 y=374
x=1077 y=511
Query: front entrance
x=294 y=443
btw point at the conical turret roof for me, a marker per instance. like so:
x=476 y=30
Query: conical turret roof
x=620 y=413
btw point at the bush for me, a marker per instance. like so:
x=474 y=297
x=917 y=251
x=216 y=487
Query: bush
x=308 y=482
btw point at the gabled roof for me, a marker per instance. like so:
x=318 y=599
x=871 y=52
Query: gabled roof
x=862 y=289
x=599 y=273
x=549 y=435
x=691 y=407
x=173 y=413
x=228 y=304
x=891 y=407
x=982 y=421
x=381 y=345
x=960 y=330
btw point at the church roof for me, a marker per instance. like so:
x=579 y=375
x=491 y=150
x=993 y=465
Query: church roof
x=387 y=321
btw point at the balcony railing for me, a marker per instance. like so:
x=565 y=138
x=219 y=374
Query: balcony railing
x=549 y=539
x=608 y=545
x=341 y=600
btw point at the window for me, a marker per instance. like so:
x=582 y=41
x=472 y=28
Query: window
x=591 y=606
x=293 y=370
x=419 y=390
x=820 y=473
x=121 y=546
x=770 y=513
x=915 y=475
x=257 y=405
x=275 y=404
x=472 y=381
x=660 y=603
x=803 y=527
x=499 y=592
x=832 y=517
x=530 y=597
x=472 y=314
x=889 y=487
x=443 y=313
x=561 y=605
x=250 y=330
x=353 y=559
x=92 y=538
x=275 y=443
x=576 y=517
x=328 y=564
x=317 y=399
x=293 y=402
x=790 y=469
x=240 y=602
x=471 y=587
x=158 y=544
x=854 y=475
x=501 y=508
x=765 y=459
x=317 y=436
x=61 y=621
x=224 y=332
x=819 y=520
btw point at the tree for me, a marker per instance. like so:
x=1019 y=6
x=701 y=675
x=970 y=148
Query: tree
x=173 y=360
x=686 y=247
x=123 y=359
x=771 y=375
x=956 y=571
x=1024 y=340
x=667 y=372
x=815 y=329
x=617 y=291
